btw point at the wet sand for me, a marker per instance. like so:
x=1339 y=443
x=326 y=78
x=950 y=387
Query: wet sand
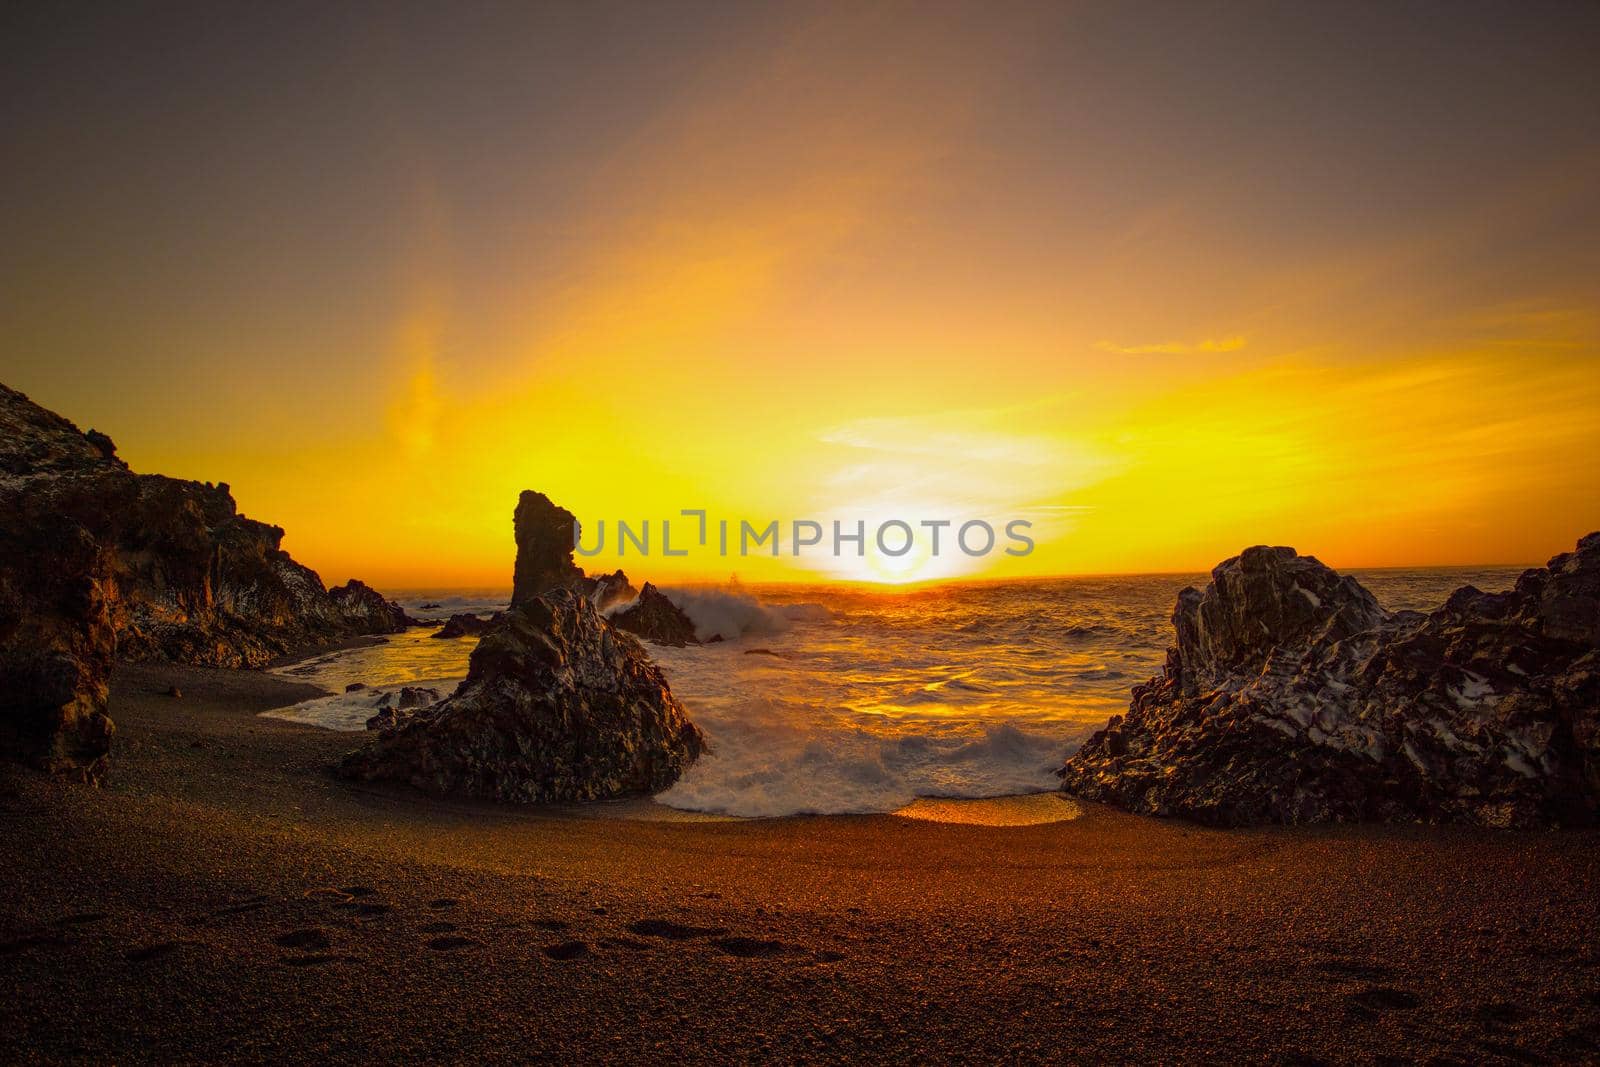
x=225 y=897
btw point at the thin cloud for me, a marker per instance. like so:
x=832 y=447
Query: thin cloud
x=1178 y=348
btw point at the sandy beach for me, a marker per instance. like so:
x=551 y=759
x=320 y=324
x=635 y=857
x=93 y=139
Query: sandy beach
x=224 y=895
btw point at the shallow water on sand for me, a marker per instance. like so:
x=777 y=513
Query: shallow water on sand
x=832 y=700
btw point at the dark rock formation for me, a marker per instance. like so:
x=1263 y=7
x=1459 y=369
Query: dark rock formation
x=462 y=625
x=394 y=711
x=369 y=609
x=657 y=619
x=97 y=558
x=56 y=641
x=1292 y=697
x=557 y=706
x=608 y=590
x=545 y=536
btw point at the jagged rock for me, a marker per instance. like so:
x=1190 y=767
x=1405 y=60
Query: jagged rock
x=545 y=537
x=369 y=609
x=56 y=641
x=395 y=711
x=462 y=625
x=1292 y=697
x=193 y=581
x=608 y=590
x=98 y=560
x=557 y=706
x=417 y=696
x=655 y=618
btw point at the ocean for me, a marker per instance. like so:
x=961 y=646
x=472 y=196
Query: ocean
x=837 y=699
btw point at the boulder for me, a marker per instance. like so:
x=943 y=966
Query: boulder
x=462 y=625
x=657 y=619
x=369 y=610
x=557 y=706
x=395 y=710
x=1292 y=697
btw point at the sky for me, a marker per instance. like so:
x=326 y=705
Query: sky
x=1162 y=280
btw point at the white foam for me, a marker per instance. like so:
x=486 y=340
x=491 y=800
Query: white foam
x=733 y=613
x=350 y=711
x=771 y=757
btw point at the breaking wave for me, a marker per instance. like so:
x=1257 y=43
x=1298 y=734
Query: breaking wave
x=832 y=699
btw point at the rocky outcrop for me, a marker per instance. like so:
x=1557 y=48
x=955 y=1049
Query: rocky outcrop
x=369 y=609
x=608 y=590
x=557 y=706
x=168 y=568
x=656 y=619
x=395 y=710
x=1292 y=697
x=462 y=624
x=56 y=642
x=545 y=536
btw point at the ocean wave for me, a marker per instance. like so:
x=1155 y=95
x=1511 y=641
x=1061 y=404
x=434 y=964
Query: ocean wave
x=733 y=614
x=770 y=758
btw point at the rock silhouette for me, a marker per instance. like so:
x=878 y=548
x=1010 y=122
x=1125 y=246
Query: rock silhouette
x=1292 y=697
x=99 y=562
x=545 y=535
x=655 y=618
x=557 y=705
x=462 y=624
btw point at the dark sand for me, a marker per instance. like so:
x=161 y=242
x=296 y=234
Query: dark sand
x=224 y=897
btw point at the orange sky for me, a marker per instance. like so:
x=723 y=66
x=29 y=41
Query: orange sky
x=1163 y=283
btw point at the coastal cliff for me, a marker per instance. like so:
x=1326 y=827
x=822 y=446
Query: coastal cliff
x=1292 y=697
x=101 y=562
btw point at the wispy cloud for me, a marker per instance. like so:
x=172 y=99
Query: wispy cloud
x=1178 y=348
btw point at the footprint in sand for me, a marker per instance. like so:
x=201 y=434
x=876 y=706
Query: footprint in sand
x=673 y=931
x=566 y=950
x=439 y=928
x=249 y=904
x=146 y=953
x=327 y=893
x=308 y=938
x=450 y=942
